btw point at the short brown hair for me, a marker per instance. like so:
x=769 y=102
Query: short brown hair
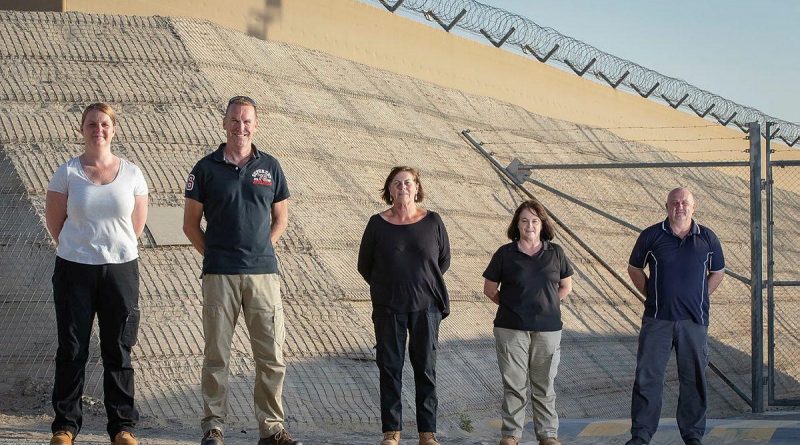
x=101 y=107
x=241 y=100
x=387 y=197
x=548 y=226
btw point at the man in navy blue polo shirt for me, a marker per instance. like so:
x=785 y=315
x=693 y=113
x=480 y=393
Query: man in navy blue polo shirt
x=685 y=265
x=242 y=193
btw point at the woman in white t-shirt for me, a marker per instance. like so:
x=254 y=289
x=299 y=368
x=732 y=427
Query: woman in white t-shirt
x=95 y=210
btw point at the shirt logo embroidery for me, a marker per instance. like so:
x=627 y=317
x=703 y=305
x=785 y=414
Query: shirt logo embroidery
x=262 y=177
x=190 y=182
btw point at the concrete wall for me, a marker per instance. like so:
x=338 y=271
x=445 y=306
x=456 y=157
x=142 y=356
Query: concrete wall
x=368 y=34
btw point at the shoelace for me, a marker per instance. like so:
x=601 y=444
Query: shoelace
x=214 y=434
x=283 y=436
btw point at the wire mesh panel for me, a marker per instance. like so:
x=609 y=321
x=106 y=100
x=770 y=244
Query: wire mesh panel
x=784 y=295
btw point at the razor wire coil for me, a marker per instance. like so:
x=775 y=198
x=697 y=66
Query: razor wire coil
x=500 y=26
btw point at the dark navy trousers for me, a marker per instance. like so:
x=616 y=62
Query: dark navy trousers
x=422 y=331
x=112 y=292
x=657 y=339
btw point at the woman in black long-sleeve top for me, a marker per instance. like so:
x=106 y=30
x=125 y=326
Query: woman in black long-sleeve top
x=404 y=253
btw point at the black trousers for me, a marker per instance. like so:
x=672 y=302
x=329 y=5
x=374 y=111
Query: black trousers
x=422 y=331
x=657 y=339
x=112 y=292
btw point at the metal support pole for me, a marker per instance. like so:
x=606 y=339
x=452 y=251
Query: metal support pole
x=770 y=272
x=628 y=165
x=756 y=285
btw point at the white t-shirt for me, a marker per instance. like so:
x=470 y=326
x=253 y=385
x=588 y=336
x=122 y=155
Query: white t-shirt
x=98 y=228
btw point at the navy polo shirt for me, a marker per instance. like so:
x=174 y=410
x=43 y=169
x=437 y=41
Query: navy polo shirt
x=529 y=287
x=237 y=204
x=677 y=285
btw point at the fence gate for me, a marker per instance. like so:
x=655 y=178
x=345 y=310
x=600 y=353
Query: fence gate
x=734 y=195
x=783 y=280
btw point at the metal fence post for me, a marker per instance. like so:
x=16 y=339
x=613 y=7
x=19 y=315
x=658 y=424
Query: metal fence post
x=756 y=284
x=770 y=269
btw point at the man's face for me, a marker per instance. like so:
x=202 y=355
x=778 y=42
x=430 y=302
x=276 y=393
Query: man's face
x=680 y=207
x=240 y=125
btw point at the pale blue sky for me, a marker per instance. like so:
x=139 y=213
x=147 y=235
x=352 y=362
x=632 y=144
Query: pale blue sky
x=745 y=51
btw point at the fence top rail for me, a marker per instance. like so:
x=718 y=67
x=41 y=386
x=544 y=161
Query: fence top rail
x=637 y=165
x=785 y=163
x=785 y=283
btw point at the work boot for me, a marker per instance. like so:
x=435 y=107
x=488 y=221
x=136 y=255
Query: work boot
x=213 y=437
x=509 y=440
x=125 y=438
x=282 y=437
x=549 y=441
x=391 y=438
x=62 y=437
x=694 y=442
x=636 y=441
x=427 y=439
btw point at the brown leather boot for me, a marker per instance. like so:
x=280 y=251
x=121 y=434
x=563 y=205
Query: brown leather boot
x=391 y=438
x=125 y=438
x=549 y=441
x=427 y=439
x=282 y=437
x=62 y=438
x=509 y=440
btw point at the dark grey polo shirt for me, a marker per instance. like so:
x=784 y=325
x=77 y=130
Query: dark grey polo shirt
x=237 y=204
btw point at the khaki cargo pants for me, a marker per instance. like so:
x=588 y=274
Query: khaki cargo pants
x=258 y=296
x=528 y=362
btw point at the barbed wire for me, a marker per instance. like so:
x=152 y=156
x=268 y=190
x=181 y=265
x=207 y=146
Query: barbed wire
x=500 y=27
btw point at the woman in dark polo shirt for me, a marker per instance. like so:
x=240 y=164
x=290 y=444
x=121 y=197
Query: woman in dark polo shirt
x=404 y=253
x=527 y=278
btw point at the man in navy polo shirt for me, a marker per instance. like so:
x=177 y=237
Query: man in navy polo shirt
x=242 y=193
x=686 y=265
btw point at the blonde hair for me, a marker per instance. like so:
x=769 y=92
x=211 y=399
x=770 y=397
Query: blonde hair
x=101 y=107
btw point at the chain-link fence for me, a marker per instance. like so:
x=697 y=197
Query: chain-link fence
x=627 y=195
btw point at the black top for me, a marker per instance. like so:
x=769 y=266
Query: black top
x=677 y=286
x=404 y=264
x=237 y=204
x=529 y=286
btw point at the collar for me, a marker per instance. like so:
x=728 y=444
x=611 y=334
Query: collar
x=219 y=153
x=694 y=230
x=545 y=245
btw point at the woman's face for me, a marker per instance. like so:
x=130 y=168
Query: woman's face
x=97 y=128
x=529 y=225
x=403 y=188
